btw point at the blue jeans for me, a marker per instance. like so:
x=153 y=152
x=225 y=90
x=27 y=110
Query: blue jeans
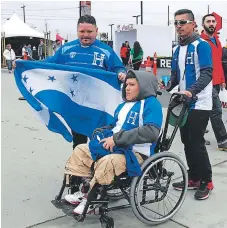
x=216 y=117
x=9 y=64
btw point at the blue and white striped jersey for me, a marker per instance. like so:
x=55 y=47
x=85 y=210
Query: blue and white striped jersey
x=97 y=56
x=187 y=62
x=130 y=115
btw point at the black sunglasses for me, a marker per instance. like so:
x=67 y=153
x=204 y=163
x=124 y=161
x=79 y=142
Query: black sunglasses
x=182 y=22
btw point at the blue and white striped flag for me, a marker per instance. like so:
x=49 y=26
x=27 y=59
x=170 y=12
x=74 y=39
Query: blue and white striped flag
x=85 y=98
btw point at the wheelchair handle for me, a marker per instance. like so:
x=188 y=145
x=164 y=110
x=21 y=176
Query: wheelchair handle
x=184 y=98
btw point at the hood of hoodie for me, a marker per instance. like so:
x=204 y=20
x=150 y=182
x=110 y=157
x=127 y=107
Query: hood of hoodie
x=148 y=85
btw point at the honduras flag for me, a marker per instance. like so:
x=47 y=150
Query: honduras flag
x=85 y=98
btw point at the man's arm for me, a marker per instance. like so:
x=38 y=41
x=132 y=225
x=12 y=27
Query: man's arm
x=55 y=58
x=5 y=54
x=205 y=64
x=14 y=55
x=144 y=134
x=115 y=64
x=173 y=81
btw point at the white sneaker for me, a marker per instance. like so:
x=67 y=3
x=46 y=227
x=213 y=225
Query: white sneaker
x=80 y=208
x=75 y=198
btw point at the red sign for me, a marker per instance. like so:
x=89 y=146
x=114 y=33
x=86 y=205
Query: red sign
x=59 y=37
x=219 y=21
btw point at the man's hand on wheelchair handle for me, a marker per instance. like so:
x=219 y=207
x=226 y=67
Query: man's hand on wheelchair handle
x=187 y=93
x=108 y=143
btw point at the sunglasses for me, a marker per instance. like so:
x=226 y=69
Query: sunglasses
x=182 y=22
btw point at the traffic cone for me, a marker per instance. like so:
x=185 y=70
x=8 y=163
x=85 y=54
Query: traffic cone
x=155 y=64
x=148 y=64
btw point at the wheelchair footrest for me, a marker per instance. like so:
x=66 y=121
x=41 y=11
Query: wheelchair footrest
x=66 y=208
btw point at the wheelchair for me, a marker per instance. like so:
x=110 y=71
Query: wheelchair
x=150 y=196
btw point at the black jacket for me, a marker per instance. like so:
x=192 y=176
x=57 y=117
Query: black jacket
x=224 y=61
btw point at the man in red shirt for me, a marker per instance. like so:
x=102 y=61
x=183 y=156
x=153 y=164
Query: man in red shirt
x=209 y=25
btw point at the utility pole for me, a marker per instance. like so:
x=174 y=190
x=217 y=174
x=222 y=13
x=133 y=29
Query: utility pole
x=23 y=7
x=168 y=16
x=141 y=11
x=136 y=16
x=84 y=8
x=46 y=25
x=46 y=40
x=80 y=8
x=111 y=31
x=208 y=9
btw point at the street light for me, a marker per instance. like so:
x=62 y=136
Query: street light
x=111 y=31
x=137 y=16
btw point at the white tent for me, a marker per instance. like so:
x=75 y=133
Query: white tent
x=16 y=27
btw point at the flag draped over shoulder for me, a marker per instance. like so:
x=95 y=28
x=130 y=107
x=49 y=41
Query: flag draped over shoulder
x=85 y=98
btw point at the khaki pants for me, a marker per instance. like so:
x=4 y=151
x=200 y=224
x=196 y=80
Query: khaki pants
x=106 y=168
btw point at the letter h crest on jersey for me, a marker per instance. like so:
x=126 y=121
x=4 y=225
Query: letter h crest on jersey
x=132 y=118
x=190 y=58
x=98 y=59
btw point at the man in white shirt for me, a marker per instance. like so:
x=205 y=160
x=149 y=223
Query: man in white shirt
x=10 y=56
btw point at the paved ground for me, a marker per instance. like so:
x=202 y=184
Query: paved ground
x=33 y=159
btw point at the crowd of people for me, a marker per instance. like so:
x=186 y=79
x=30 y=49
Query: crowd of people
x=28 y=52
x=196 y=68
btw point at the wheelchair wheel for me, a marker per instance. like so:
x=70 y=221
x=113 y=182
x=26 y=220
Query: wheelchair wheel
x=153 y=200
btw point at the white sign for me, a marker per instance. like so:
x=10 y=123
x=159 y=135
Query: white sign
x=125 y=28
x=165 y=63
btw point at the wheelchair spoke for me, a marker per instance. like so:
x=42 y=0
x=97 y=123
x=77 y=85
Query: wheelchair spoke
x=163 y=207
x=154 y=198
x=158 y=208
x=173 y=194
x=171 y=199
x=166 y=207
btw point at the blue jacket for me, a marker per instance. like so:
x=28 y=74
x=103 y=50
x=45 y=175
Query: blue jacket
x=97 y=56
x=97 y=152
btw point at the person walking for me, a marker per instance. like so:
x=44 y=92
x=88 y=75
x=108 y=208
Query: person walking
x=123 y=53
x=41 y=50
x=136 y=55
x=128 y=50
x=192 y=71
x=209 y=25
x=10 y=56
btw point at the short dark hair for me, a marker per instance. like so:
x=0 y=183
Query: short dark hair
x=130 y=74
x=87 y=19
x=207 y=15
x=185 y=11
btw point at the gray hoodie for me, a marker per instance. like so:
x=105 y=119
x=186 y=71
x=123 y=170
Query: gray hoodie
x=148 y=84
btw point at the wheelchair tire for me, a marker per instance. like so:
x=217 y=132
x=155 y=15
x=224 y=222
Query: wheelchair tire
x=150 y=181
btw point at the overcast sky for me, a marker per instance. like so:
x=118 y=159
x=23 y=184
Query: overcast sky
x=62 y=16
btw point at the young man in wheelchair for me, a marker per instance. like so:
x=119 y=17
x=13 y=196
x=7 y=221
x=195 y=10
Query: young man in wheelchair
x=114 y=149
